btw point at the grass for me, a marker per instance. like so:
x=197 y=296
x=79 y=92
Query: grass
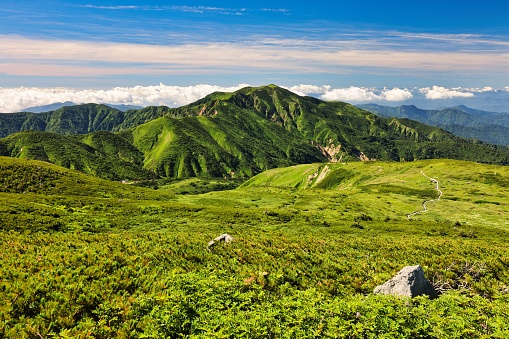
x=84 y=257
x=393 y=189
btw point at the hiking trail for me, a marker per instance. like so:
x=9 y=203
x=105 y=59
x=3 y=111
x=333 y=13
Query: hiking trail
x=425 y=209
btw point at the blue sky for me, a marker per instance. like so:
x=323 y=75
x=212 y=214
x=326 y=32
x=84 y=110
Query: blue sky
x=461 y=46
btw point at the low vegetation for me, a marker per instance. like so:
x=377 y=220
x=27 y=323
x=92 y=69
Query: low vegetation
x=84 y=257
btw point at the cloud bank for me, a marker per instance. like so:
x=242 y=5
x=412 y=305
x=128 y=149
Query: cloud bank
x=437 y=92
x=18 y=99
x=358 y=94
x=353 y=94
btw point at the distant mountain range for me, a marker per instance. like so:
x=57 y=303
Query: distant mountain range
x=57 y=105
x=235 y=134
x=490 y=127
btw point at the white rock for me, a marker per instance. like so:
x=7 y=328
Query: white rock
x=409 y=282
x=222 y=238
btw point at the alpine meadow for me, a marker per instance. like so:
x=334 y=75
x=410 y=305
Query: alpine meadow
x=107 y=219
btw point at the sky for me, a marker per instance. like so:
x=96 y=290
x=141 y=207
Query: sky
x=170 y=52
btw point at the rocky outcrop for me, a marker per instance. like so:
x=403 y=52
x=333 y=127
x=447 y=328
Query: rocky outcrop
x=409 y=282
x=332 y=152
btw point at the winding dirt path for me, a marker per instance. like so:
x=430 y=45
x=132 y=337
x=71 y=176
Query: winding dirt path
x=425 y=209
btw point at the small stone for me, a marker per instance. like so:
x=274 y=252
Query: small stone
x=226 y=238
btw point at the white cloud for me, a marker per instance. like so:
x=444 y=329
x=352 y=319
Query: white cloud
x=17 y=99
x=109 y=7
x=396 y=94
x=187 y=9
x=350 y=94
x=437 y=92
x=275 y=10
x=478 y=89
x=486 y=89
x=309 y=89
x=359 y=94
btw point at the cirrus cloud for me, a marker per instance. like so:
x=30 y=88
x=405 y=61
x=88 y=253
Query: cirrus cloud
x=49 y=58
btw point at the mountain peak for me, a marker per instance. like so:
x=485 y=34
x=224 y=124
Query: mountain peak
x=248 y=90
x=266 y=89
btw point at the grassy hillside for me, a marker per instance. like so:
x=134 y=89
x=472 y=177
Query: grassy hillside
x=473 y=194
x=21 y=176
x=70 y=152
x=36 y=195
x=113 y=144
x=84 y=257
x=230 y=143
x=77 y=119
x=340 y=130
x=82 y=119
x=17 y=122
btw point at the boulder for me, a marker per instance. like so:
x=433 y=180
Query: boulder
x=409 y=282
x=222 y=238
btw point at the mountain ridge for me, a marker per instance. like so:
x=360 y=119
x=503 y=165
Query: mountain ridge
x=57 y=105
x=460 y=120
x=237 y=134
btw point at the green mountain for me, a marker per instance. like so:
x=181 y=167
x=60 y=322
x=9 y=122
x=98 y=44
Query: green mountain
x=460 y=120
x=76 y=119
x=58 y=105
x=235 y=134
x=112 y=157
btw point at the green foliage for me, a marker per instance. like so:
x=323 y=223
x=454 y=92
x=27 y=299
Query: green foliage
x=195 y=185
x=114 y=145
x=17 y=177
x=166 y=284
x=131 y=262
x=17 y=122
x=84 y=257
x=80 y=119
